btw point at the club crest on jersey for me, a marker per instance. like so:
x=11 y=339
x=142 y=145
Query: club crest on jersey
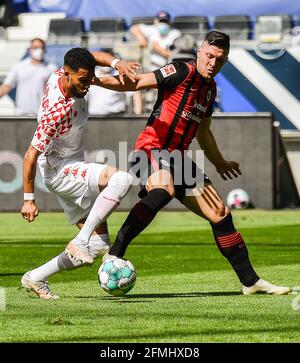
x=168 y=70
x=208 y=96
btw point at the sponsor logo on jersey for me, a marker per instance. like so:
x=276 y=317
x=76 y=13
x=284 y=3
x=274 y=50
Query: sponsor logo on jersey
x=168 y=70
x=199 y=106
x=49 y=131
x=189 y=115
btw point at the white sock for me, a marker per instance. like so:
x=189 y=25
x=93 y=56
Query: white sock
x=43 y=272
x=106 y=202
x=57 y=264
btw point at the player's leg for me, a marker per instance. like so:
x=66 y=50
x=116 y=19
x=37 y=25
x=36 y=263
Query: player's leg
x=36 y=279
x=114 y=185
x=160 y=190
x=98 y=243
x=208 y=204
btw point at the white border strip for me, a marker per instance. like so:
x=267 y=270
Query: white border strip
x=295 y=52
x=264 y=81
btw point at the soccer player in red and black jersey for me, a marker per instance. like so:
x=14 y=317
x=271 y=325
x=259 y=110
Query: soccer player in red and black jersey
x=186 y=93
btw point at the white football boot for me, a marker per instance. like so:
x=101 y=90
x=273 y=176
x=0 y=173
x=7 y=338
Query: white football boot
x=41 y=288
x=263 y=286
x=98 y=247
x=79 y=250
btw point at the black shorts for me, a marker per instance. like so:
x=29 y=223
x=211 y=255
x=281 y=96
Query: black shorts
x=185 y=172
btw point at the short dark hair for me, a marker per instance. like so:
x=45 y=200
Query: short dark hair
x=219 y=39
x=76 y=58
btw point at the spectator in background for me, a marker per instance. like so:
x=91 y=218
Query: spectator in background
x=159 y=38
x=102 y=101
x=29 y=77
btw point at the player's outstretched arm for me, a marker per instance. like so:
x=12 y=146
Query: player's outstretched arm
x=124 y=68
x=207 y=142
x=29 y=210
x=143 y=81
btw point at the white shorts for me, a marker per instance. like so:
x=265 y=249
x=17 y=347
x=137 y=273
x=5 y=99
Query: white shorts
x=76 y=188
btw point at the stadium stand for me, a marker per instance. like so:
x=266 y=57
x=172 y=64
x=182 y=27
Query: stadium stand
x=66 y=31
x=32 y=25
x=7 y=14
x=194 y=25
x=236 y=26
x=148 y=20
x=108 y=25
x=106 y=31
x=185 y=49
x=272 y=28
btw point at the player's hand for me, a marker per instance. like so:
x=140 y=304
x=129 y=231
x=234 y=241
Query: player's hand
x=29 y=211
x=127 y=69
x=228 y=169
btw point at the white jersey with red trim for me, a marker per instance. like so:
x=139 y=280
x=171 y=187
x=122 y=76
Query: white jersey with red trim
x=60 y=127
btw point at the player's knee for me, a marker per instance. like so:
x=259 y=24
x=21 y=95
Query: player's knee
x=219 y=212
x=106 y=174
x=122 y=181
x=168 y=188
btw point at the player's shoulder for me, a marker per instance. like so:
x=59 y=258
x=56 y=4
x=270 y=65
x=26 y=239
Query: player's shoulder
x=54 y=77
x=59 y=72
x=174 y=67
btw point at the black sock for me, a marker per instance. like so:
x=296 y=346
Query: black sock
x=140 y=216
x=233 y=247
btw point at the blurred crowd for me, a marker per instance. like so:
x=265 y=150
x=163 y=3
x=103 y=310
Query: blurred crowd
x=26 y=79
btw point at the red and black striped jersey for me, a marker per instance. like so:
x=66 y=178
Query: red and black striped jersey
x=184 y=98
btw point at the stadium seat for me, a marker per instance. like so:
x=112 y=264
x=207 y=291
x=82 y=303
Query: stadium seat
x=185 y=49
x=236 y=26
x=272 y=28
x=194 y=25
x=66 y=31
x=7 y=14
x=107 y=25
x=148 y=20
x=105 y=31
x=197 y=26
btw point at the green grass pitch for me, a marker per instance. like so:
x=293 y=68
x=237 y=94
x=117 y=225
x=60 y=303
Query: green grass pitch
x=185 y=290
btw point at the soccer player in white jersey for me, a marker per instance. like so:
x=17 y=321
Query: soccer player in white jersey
x=88 y=192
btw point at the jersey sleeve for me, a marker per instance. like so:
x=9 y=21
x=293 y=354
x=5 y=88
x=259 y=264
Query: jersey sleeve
x=171 y=75
x=54 y=122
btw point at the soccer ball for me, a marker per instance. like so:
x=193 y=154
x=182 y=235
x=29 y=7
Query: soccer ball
x=238 y=199
x=117 y=276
